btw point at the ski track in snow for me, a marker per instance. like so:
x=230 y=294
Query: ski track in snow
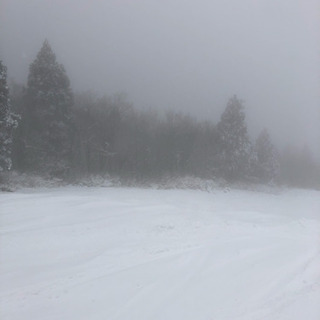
x=120 y=253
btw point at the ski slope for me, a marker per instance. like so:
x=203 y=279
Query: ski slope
x=132 y=254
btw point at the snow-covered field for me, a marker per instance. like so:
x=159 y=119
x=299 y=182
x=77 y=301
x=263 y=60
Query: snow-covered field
x=118 y=253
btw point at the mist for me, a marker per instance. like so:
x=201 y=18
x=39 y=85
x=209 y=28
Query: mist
x=159 y=159
x=183 y=56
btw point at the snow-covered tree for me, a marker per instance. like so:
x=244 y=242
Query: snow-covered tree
x=234 y=144
x=267 y=158
x=48 y=114
x=8 y=121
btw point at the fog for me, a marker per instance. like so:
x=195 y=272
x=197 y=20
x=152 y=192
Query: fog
x=189 y=56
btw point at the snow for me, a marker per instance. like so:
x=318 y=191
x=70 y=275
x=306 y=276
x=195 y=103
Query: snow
x=125 y=253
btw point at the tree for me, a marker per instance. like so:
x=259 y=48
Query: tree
x=47 y=115
x=8 y=121
x=17 y=105
x=234 y=146
x=267 y=158
x=204 y=151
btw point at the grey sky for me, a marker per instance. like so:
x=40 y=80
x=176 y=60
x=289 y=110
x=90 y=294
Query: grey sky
x=186 y=55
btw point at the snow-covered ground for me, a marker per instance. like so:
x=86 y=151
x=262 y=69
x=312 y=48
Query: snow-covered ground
x=134 y=254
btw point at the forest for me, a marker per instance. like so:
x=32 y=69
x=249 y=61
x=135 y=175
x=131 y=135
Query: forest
x=48 y=130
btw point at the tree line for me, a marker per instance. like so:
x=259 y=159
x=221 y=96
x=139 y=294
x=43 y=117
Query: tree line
x=67 y=135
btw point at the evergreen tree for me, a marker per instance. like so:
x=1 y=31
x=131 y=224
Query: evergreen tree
x=48 y=115
x=267 y=158
x=234 y=146
x=8 y=121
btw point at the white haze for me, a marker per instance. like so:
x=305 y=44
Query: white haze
x=190 y=56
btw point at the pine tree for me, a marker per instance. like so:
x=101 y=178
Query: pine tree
x=8 y=121
x=267 y=158
x=234 y=146
x=48 y=115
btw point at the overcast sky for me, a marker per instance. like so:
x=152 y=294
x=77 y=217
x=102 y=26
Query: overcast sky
x=189 y=56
